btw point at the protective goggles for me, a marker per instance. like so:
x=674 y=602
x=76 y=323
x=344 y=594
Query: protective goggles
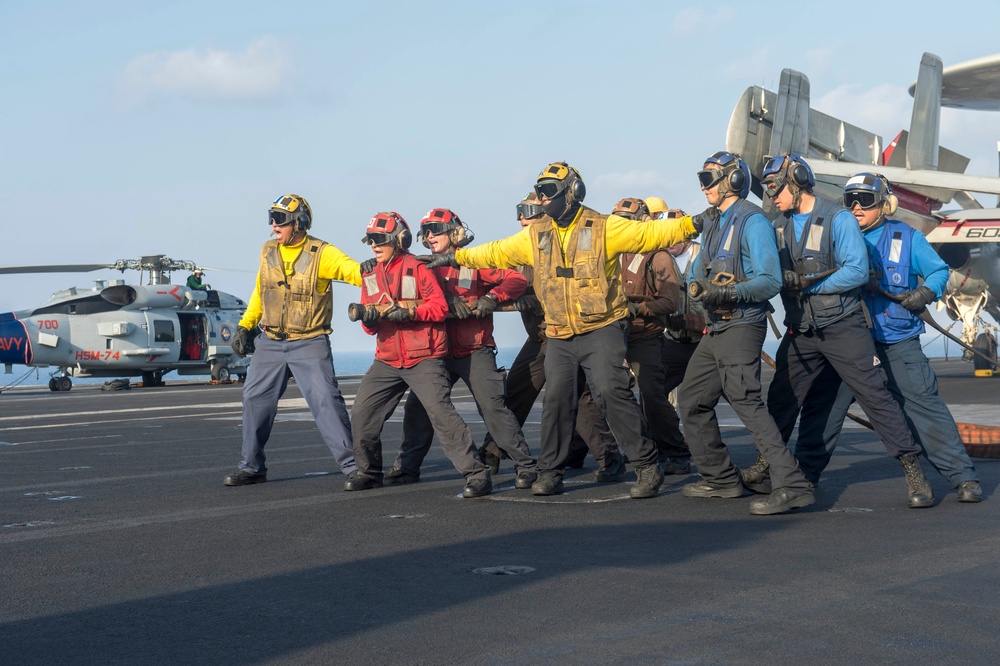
x=549 y=189
x=773 y=188
x=774 y=165
x=379 y=238
x=864 y=199
x=435 y=228
x=709 y=178
x=529 y=210
x=281 y=219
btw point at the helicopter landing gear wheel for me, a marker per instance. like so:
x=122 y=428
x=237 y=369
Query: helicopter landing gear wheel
x=985 y=344
x=62 y=383
x=150 y=379
x=53 y=386
x=220 y=372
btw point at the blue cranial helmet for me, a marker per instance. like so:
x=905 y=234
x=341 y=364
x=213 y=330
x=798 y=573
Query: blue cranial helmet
x=735 y=175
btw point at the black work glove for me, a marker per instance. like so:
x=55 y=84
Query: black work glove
x=397 y=314
x=714 y=294
x=874 y=284
x=459 y=308
x=675 y=321
x=368 y=265
x=370 y=316
x=917 y=300
x=242 y=342
x=790 y=280
x=525 y=303
x=485 y=306
x=436 y=260
x=710 y=214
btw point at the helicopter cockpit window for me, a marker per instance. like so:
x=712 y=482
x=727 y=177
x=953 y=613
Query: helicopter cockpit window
x=79 y=306
x=163 y=331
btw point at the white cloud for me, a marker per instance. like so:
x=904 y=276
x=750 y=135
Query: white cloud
x=255 y=73
x=695 y=21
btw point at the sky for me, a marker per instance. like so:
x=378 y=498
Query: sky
x=136 y=128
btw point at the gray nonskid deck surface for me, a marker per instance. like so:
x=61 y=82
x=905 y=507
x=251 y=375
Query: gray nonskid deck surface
x=119 y=544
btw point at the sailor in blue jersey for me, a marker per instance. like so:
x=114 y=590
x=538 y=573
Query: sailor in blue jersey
x=824 y=269
x=899 y=256
x=734 y=276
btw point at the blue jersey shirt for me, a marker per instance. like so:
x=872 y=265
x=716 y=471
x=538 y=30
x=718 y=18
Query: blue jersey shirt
x=759 y=254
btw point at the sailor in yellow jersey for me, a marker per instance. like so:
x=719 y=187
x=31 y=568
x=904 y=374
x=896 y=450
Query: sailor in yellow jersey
x=291 y=308
x=577 y=278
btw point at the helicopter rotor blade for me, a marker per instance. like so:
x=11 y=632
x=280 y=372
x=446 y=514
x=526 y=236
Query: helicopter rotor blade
x=55 y=268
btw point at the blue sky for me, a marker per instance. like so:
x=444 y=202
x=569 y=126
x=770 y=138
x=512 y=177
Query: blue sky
x=134 y=128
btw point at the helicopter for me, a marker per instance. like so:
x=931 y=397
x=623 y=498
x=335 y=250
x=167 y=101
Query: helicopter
x=119 y=330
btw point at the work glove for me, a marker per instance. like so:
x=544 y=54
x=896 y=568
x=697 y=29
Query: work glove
x=485 y=306
x=790 y=281
x=874 y=284
x=397 y=314
x=242 y=342
x=714 y=294
x=370 y=316
x=525 y=304
x=710 y=214
x=368 y=265
x=436 y=260
x=675 y=321
x=459 y=308
x=917 y=300
x=633 y=309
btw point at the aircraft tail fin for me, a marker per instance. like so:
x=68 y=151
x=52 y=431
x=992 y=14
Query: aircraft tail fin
x=791 y=119
x=925 y=122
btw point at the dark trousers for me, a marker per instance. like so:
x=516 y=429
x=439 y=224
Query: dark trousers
x=380 y=392
x=311 y=363
x=647 y=358
x=525 y=381
x=845 y=348
x=727 y=363
x=913 y=385
x=479 y=372
x=601 y=355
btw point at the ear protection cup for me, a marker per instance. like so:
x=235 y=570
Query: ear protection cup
x=579 y=190
x=890 y=205
x=423 y=241
x=800 y=176
x=461 y=236
x=404 y=239
x=737 y=180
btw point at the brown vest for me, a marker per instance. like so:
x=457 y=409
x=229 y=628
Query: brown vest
x=573 y=286
x=291 y=307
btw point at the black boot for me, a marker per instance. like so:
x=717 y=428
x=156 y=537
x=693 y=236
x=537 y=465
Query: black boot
x=757 y=477
x=920 y=491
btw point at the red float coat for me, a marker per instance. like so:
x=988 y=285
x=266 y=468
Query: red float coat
x=469 y=284
x=404 y=344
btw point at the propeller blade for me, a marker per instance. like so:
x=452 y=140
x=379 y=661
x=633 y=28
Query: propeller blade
x=55 y=268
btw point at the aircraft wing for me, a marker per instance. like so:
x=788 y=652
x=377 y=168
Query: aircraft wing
x=968 y=226
x=905 y=177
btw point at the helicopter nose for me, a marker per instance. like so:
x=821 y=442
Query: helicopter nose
x=14 y=344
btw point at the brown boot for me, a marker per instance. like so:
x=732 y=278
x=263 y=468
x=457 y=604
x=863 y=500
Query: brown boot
x=921 y=494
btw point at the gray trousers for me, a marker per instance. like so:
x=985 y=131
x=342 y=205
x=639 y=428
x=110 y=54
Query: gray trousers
x=311 y=363
x=647 y=357
x=913 y=384
x=727 y=363
x=479 y=372
x=601 y=355
x=525 y=381
x=378 y=395
x=846 y=348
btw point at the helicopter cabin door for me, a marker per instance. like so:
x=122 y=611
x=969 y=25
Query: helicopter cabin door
x=163 y=337
x=193 y=336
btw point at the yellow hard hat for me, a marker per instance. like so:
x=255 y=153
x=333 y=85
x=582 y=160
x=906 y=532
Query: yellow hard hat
x=656 y=205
